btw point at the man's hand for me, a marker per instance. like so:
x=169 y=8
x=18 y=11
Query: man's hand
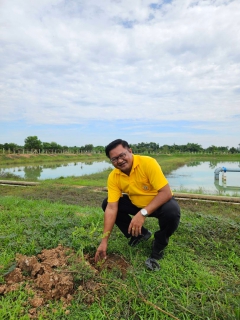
x=101 y=253
x=135 y=227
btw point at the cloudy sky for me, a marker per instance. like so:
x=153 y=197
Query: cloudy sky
x=85 y=71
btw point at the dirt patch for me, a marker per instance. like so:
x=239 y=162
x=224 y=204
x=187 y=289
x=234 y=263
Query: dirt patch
x=59 y=274
x=113 y=262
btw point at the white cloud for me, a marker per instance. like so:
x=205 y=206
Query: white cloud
x=65 y=61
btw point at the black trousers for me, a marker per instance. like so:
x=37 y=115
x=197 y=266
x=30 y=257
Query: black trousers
x=168 y=216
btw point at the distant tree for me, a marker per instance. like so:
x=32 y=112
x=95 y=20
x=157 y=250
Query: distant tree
x=233 y=150
x=11 y=146
x=153 y=147
x=217 y=149
x=212 y=148
x=51 y=146
x=174 y=148
x=88 y=147
x=46 y=146
x=193 y=147
x=32 y=142
x=222 y=149
x=138 y=148
x=74 y=149
x=145 y=147
x=55 y=146
x=100 y=149
x=165 y=148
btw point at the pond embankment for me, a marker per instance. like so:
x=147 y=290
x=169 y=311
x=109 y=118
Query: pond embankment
x=6 y=159
x=20 y=183
x=177 y=195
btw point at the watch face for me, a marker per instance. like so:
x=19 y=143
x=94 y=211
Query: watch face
x=144 y=212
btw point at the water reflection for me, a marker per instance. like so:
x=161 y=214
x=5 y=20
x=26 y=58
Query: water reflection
x=193 y=163
x=55 y=170
x=224 y=187
x=198 y=176
x=213 y=164
x=32 y=173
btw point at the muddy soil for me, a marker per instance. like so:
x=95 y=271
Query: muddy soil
x=59 y=274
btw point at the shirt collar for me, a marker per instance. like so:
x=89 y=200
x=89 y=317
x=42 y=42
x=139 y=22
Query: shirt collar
x=136 y=161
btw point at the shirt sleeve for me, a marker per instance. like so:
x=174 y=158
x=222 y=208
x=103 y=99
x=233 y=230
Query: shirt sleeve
x=114 y=192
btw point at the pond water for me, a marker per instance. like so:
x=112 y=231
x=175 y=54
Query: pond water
x=193 y=177
x=199 y=177
x=56 y=170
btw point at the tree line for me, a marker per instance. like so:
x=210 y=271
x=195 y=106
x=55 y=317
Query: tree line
x=33 y=144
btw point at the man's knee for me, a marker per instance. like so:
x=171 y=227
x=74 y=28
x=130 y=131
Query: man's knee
x=104 y=204
x=169 y=213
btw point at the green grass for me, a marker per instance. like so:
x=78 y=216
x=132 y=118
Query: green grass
x=199 y=276
x=98 y=179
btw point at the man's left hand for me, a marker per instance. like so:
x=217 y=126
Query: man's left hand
x=136 y=224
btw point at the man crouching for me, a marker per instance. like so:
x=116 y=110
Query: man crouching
x=137 y=187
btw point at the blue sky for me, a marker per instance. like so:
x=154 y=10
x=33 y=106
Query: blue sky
x=80 y=72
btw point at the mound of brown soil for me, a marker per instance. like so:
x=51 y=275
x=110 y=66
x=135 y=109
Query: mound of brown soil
x=49 y=276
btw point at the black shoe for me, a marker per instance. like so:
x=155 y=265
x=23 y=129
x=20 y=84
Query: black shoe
x=152 y=264
x=134 y=241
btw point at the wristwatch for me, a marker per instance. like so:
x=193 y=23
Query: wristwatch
x=144 y=212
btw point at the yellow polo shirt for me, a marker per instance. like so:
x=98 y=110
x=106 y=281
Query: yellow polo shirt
x=142 y=185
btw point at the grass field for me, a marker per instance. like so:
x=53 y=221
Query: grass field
x=198 y=279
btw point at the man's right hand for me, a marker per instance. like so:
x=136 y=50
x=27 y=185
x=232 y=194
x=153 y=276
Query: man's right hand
x=101 y=253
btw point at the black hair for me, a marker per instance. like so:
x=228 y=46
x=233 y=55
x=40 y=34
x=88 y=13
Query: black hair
x=114 y=144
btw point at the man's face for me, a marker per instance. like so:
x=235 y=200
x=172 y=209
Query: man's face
x=122 y=158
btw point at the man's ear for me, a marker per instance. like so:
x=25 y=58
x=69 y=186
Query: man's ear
x=130 y=150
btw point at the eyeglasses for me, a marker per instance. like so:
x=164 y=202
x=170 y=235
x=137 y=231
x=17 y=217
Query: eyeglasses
x=121 y=156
